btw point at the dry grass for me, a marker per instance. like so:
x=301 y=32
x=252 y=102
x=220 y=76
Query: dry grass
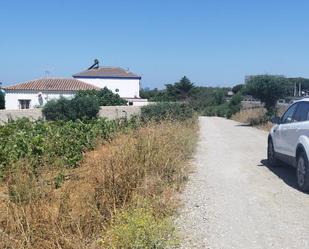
x=149 y=163
x=246 y=116
x=256 y=117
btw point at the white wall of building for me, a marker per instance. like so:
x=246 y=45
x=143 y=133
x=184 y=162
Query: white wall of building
x=128 y=88
x=12 y=98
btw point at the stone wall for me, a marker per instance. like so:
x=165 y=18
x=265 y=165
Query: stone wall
x=115 y=112
x=32 y=114
x=109 y=112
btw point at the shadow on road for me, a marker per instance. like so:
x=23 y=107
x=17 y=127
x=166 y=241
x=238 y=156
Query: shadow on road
x=243 y=125
x=284 y=172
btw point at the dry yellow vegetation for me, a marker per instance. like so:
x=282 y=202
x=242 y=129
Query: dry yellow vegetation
x=75 y=208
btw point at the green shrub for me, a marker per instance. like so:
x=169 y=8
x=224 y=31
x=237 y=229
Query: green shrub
x=139 y=228
x=57 y=109
x=219 y=110
x=60 y=143
x=234 y=104
x=104 y=96
x=225 y=110
x=267 y=88
x=85 y=107
x=59 y=180
x=80 y=107
x=167 y=110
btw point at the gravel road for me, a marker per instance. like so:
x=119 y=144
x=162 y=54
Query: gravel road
x=233 y=200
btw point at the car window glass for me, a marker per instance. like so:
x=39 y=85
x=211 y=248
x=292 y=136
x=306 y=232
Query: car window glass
x=302 y=112
x=288 y=115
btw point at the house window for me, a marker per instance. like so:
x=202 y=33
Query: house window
x=24 y=103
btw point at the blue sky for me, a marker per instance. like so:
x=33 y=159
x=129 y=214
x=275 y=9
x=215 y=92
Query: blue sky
x=212 y=42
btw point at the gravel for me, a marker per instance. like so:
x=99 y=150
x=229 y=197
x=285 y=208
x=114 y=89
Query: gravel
x=233 y=200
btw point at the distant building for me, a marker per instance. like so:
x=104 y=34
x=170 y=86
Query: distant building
x=230 y=94
x=118 y=80
x=36 y=93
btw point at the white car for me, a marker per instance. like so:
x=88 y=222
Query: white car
x=288 y=141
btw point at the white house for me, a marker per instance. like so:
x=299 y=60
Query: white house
x=123 y=82
x=118 y=80
x=37 y=92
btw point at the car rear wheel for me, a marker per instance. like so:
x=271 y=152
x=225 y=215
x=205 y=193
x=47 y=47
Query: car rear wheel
x=302 y=172
x=271 y=158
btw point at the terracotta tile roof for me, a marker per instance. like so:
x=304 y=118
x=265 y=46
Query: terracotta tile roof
x=107 y=72
x=52 y=84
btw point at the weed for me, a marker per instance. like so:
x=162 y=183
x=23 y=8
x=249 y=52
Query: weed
x=59 y=180
x=138 y=228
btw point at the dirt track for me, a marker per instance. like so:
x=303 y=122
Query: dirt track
x=234 y=200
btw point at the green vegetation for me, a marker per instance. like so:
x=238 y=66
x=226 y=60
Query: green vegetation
x=167 y=111
x=85 y=105
x=214 y=101
x=80 y=107
x=104 y=96
x=51 y=143
x=139 y=228
x=227 y=109
x=238 y=88
x=179 y=91
x=121 y=195
x=209 y=101
x=2 y=100
x=267 y=88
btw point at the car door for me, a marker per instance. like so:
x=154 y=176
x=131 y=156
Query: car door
x=292 y=132
x=283 y=131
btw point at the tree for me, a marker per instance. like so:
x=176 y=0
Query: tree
x=267 y=88
x=183 y=88
x=2 y=100
x=237 y=88
x=218 y=96
x=179 y=91
x=156 y=95
x=104 y=96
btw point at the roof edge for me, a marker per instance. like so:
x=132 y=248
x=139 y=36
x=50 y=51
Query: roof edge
x=106 y=77
x=12 y=87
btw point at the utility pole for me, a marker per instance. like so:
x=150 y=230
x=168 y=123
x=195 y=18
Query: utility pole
x=299 y=89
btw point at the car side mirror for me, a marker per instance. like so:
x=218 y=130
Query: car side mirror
x=276 y=120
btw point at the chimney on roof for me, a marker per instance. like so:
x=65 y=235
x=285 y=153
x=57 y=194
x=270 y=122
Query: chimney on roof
x=95 y=65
